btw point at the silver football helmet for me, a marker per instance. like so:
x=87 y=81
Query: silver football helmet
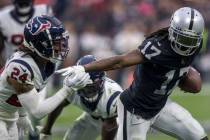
x=186 y=30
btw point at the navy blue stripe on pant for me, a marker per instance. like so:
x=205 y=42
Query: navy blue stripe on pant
x=125 y=125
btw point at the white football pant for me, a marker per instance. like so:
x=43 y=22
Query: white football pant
x=173 y=120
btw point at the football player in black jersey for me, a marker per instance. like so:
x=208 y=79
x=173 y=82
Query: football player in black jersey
x=165 y=57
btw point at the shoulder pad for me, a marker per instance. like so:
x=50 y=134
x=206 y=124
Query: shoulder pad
x=20 y=70
x=6 y=9
x=109 y=83
x=111 y=107
x=150 y=49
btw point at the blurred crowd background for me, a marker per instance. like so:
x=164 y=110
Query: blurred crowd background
x=108 y=27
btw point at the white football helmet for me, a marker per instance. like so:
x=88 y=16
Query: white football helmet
x=186 y=30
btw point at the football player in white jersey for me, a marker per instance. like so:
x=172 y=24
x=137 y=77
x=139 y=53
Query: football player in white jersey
x=12 y=21
x=98 y=101
x=11 y=35
x=27 y=72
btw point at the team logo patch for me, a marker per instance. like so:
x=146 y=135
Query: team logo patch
x=37 y=25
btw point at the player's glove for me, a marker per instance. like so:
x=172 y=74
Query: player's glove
x=24 y=125
x=71 y=70
x=43 y=136
x=76 y=81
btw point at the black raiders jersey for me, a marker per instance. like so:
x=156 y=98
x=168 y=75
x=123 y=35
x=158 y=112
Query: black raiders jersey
x=155 y=79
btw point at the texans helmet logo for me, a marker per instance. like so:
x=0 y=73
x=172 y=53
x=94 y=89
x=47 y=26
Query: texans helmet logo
x=37 y=25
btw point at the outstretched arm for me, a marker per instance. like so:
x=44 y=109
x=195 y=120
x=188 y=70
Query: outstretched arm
x=120 y=61
x=109 y=129
x=30 y=99
x=21 y=81
x=52 y=118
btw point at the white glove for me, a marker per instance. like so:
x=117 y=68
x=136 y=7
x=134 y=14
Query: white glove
x=24 y=125
x=71 y=70
x=43 y=136
x=76 y=81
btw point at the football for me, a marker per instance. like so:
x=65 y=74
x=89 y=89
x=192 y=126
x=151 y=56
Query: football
x=191 y=82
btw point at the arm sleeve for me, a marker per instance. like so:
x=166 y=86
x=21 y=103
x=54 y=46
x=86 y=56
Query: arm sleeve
x=39 y=108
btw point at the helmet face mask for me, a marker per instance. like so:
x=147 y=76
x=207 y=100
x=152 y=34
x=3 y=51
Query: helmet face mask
x=23 y=6
x=186 y=31
x=59 y=50
x=92 y=92
x=186 y=39
x=184 y=44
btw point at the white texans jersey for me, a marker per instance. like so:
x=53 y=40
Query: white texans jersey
x=105 y=107
x=12 y=28
x=23 y=69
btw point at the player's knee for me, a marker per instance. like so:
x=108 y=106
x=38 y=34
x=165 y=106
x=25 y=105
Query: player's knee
x=205 y=138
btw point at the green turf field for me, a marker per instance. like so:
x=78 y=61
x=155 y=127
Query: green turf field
x=198 y=105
